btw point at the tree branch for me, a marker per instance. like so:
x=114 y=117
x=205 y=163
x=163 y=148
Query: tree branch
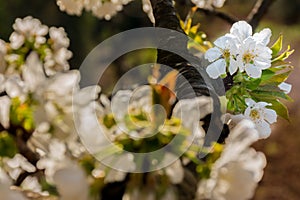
x=221 y=15
x=258 y=11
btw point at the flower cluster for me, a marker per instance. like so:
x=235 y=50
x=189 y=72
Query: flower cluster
x=102 y=9
x=240 y=50
x=239 y=168
x=258 y=75
x=209 y=4
x=38 y=98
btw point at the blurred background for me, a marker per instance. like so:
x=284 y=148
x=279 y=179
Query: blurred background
x=282 y=174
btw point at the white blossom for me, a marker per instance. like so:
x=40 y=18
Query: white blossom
x=101 y=9
x=3 y=51
x=220 y=56
x=253 y=57
x=6 y=192
x=241 y=51
x=175 y=172
x=209 y=4
x=72 y=7
x=261 y=116
x=238 y=170
x=4 y=111
x=59 y=38
x=108 y=9
x=147 y=8
x=28 y=28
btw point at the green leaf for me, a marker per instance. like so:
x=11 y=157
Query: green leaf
x=284 y=55
x=265 y=94
x=277 y=46
x=280 y=109
x=267 y=74
x=8 y=147
x=276 y=79
x=253 y=84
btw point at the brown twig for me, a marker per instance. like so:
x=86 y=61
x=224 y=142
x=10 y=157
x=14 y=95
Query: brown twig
x=258 y=11
x=219 y=14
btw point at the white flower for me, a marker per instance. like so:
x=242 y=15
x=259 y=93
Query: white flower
x=242 y=30
x=147 y=8
x=92 y=4
x=175 y=172
x=240 y=50
x=108 y=9
x=285 y=87
x=27 y=28
x=4 y=111
x=3 y=51
x=220 y=56
x=31 y=183
x=209 y=4
x=59 y=38
x=32 y=72
x=261 y=116
x=253 y=57
x=72 y=7
x=5 y=191
x=238 y=170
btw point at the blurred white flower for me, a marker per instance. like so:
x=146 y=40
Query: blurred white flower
x=108 y=9
x=286 y=87
x=147 y=8
x=32 y=72
x=54 y=159
x=238 y=170
x=209 y=4
x=5 y=191
x=175 y=172
x=92 y=4
x=261 y=116
x=16 y=165
x=4 y=111
x=30 y=29
x=72 y=7
x=58 y=38
x=101 y=9
x=32 y=184
x=3 y=51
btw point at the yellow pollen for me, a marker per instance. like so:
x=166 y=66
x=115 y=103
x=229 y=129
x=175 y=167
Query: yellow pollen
x=254 y=114
x=226 y=54
x=248 y=57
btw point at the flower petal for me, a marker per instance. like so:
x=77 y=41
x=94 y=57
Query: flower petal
x=233 y=67
x=212 y=54
x=241 y=30
x=270 y=115
x=263 y=128
x=263 y=36
x=253 y=71
x=4 y=111
x=216 y=68
x=250 y=102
